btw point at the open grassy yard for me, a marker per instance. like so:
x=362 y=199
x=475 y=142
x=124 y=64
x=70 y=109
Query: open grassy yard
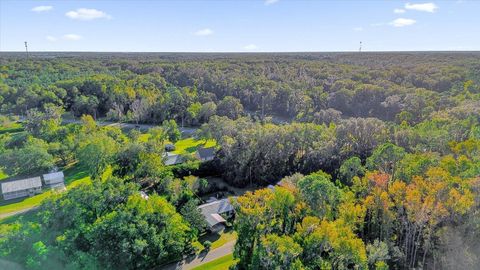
x=2 y=175
x=222 y=263
x=74 y=176
x=11 y=128
x=224 y=238
x=185 y=146
x=190 y=145
x=217 y=241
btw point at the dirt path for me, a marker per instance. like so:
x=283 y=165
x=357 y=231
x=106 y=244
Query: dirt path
x=9 y=214
x=201 y=258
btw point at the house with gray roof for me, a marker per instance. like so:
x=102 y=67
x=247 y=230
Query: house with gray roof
x=205 y=154
x=21 y=188
x=213 y=212
x=54 y=180
x=173 y=159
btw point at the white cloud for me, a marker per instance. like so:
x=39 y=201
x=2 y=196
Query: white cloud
x=51 y=38
x=399 y=11
x=42 y=8
x=72 y=37
x=401 y=22
x=270 y=2
x=427 y=7
x=87 y=14
x=250 y=47
x=377 y=24
x=204 y=32
x=358 y=29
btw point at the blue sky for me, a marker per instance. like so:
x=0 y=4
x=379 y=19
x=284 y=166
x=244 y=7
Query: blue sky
x=238 y=26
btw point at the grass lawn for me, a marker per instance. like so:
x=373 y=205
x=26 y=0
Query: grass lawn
x=224 y=238
x=11 y=128
x=198 y=246
x=184 y=146
x=74 y=176
x=2 y=175
x=222 y=263
x=23 y=203
x=190 y=145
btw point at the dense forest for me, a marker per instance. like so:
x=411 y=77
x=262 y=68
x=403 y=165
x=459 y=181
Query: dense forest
x=373 y=159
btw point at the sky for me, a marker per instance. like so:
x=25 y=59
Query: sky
x=239 y=26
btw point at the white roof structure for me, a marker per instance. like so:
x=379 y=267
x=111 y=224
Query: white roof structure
x=173 y=159
x=211 y=211
x=55 y=177
x=24 y=184
x=144 y=195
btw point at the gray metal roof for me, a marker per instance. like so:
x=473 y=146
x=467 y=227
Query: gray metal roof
x=205 y=153
x=172 y=159
x=212 y=210
x=17 y=185
x=55 y=177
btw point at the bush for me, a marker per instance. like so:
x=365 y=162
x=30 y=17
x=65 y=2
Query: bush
x=207 y=244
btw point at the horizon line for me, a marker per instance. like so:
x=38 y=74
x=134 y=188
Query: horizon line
x=242 y=52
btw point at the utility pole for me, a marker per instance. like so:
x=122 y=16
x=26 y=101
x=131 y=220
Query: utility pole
x=360 y=50
x=26 y=48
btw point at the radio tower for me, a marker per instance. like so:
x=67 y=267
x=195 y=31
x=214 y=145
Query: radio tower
x=26 y=48
x=360 y=50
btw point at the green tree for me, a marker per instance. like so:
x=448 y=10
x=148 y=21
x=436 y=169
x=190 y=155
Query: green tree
x=230 y=107
x=193 y=216
x=385 y=158
x=96 y=151
x=320 y=194
x=32 y=158
x=350 y=168
x=277 y=252
x=140 y=234
x=39 y=256
x=172 y=131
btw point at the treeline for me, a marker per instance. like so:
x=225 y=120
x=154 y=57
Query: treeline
x=314 y=89
x=262 y=153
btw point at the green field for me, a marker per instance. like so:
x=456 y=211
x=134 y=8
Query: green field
x=224 y=238
x=2 y=175
x=222 y=263
x=185 y=146
x=74 y=176
x=11 y=128
x=190 y=145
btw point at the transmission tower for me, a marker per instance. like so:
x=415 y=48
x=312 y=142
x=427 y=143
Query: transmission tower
x=26 y=48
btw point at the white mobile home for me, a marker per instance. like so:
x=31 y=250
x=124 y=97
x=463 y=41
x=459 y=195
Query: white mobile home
x=54 y=180
x=21 y=188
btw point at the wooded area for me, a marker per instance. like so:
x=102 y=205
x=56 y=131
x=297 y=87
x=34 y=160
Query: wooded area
x=373 y=158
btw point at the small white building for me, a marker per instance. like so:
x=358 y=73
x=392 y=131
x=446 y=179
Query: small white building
x=21 y=188
x=172 y=159
x=54 y=180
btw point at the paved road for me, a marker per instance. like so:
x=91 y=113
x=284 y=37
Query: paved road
x=202 y=258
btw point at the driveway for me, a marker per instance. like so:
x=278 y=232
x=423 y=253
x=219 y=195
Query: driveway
x=9 y=214
x=201 y=258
